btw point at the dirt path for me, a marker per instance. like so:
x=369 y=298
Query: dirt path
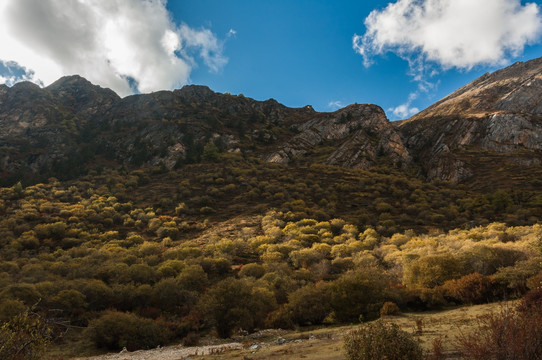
x=177 y=352
x=320 y=344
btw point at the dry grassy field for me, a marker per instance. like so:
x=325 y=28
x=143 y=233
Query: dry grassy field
x=322 y=344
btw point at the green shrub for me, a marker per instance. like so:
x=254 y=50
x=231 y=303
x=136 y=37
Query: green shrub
x=10 y=308
x=233 y=304
x=379 y=341
x=310 y=304
x=115 y=330
x=360 y=292
x=252 y=269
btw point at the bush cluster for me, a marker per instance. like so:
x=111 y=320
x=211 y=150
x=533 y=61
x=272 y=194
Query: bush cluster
x=303 y=251
x=116 y=330
x=379 y=341
x=513 y=333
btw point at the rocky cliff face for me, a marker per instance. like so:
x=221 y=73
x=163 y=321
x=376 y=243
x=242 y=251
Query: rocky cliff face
x=72 y=125
x=499 y=113
x=360 y=135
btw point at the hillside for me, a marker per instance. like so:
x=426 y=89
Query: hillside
x=484 y=133
x=498 y=116
x=166 y=217
x=72 y=125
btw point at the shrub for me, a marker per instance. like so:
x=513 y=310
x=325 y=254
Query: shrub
x=431 y=270
x=10 y=308
x=510 y=334
x=71 y=301
x=470 y=289
x=437 y=350
x=27 y=293
x=360 y=292
x=252 y=269
x=191 y=339
x=379 y=340
x=532 y=301
x=115 y=330
x=389 y=308
x=237 y=304
x=24 y=337
x=310 y=304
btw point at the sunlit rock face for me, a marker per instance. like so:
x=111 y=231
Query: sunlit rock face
x=499 y=112
x=360 y=135
x=72 y=126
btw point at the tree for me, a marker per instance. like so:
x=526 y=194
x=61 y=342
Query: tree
x=359 y=293
x=18 y=189
x=210 y=152
x=115 y=330
x=310 y=304
x=237 y=304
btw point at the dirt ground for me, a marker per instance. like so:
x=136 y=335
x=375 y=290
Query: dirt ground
x=319 y=344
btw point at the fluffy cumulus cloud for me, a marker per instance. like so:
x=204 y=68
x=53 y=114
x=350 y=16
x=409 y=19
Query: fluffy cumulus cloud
x=406 y=110
x=126 y=45
x=11 y=72
x=450 y=33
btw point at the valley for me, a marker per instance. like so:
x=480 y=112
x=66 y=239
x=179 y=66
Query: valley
x=181 y=216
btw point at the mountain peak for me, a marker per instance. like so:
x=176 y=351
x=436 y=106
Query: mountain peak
x=68 y=81
x=200 y=92
x=497 y=113
x=25 y=85
x=517 y=88
x=75 y=85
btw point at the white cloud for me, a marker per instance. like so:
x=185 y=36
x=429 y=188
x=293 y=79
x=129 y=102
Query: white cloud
x=231 y=33
x=11 y=73
x=335 y=105
x=113 y=43
x=450 y=33
x=405 y=110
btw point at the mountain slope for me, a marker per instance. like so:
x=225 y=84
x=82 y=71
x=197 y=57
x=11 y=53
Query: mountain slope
x=71 y=125
x=499 y=113
x=360 y=134
x=484 y=133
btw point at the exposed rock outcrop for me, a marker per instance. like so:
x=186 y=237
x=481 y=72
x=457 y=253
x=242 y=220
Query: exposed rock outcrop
x=499 y=112
x=360 y=133
x=66 y=126
x=73 y=125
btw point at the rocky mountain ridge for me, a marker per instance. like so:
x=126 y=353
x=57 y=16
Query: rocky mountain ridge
x=72 y=125
x=499 y=113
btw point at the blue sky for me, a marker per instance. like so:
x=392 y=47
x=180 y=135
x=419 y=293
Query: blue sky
x=300 y=52
x=402 y=55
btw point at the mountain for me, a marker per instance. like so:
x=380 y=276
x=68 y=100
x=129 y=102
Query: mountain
x=494 y=122
x=71 y=125
x=488 y=132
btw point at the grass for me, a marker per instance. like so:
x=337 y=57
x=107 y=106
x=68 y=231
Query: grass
x=327 y=343
x=324 y=343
